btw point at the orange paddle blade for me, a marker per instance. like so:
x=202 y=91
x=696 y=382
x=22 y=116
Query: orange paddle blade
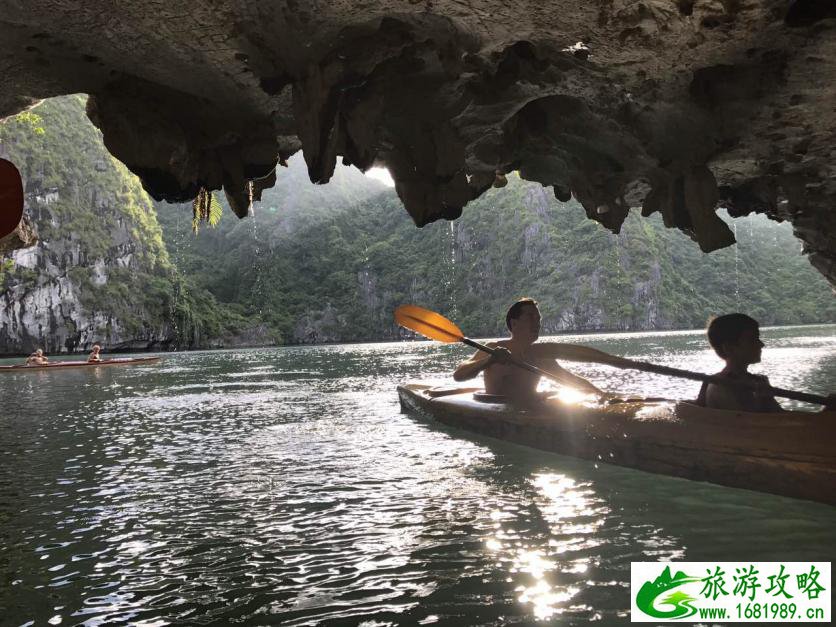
x=428 y=323
x=11 y=197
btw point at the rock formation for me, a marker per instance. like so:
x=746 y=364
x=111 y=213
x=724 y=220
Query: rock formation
x=23 y=236
x=677 y=106
x=99 y=271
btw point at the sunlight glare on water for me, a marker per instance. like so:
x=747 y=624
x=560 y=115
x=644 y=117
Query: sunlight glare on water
x=284 y=486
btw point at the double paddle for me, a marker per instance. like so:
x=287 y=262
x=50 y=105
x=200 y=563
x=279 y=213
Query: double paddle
x=436 y=327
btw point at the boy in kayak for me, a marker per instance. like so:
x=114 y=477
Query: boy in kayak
x=37 y=359
x=94 y=355
x=736 y=339
x=505 y=379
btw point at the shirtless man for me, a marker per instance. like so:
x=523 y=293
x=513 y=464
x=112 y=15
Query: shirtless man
x=505 y=379
x=94 y=355
x=37 y=359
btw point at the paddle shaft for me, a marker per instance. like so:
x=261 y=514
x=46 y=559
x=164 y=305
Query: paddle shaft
x=644 y=366
x=708 y=378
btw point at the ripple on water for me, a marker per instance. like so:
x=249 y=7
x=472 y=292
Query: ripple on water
x=284 y=486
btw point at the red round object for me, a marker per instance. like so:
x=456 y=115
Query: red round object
x=11 y=197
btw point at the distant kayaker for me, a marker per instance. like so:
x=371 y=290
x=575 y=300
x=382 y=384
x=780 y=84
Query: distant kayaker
x=37 y=359
x=94 y=355
x=505 y=379
x=736 y=340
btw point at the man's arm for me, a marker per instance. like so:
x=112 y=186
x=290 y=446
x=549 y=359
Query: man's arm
x=572 y=380
x=478 y=362
x=574 y=352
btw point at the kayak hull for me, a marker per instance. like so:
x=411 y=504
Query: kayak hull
x=58 y=365
x=791 y=454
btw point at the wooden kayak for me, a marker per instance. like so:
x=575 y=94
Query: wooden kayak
x=790 y=453
x=124 y=361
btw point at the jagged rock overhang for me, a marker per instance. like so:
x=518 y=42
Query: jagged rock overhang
x=675 y=106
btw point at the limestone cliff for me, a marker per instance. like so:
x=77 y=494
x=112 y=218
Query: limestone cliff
x=100 y=272
x=99 y=253
x=586 y=279
x=330 y=263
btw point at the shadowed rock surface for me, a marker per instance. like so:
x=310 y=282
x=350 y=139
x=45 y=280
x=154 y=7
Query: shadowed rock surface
x=23 y=236
x=675 y=105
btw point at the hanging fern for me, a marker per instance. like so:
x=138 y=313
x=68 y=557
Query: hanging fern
x=205 y=209
x=215 y=210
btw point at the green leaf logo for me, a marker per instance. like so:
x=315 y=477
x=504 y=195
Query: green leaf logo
x=678 y=600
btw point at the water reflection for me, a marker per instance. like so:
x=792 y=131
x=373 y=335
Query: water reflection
x=561 y=503
x=284 y=486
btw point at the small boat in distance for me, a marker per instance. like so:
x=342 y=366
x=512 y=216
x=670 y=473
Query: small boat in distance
x=57 y=365
x=790 y=453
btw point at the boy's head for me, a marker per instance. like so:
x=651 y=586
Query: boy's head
x=523 y=319
x=736 y=337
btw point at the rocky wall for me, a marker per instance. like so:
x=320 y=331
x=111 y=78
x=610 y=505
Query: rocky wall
x=678 y=106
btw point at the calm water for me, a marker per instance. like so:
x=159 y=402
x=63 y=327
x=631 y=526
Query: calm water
x=284 y=486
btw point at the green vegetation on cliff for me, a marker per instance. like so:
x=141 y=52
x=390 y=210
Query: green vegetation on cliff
x=101 y=271
x=317 y=275
x=330 y=263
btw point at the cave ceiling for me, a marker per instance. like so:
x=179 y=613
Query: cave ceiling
x=675 y=106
